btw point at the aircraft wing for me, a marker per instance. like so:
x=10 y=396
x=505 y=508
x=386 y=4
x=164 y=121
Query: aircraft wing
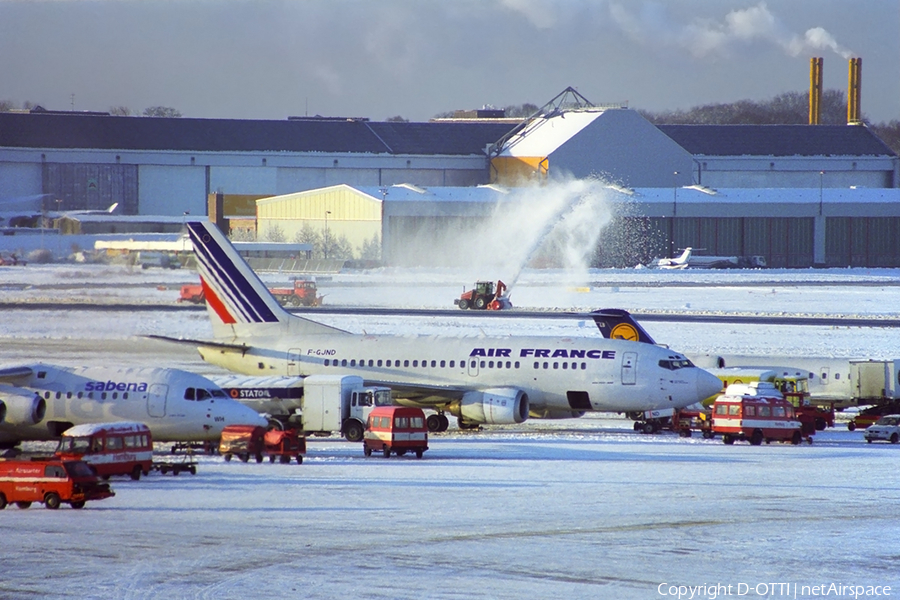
x=419 y=392
x=14 y=374
x=205 y=343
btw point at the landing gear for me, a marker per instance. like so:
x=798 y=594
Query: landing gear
x=437 y=423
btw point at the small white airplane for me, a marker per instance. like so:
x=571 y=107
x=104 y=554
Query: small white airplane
x=483 y=380
x=30 y=211
x=673 y=263
x=40 y=401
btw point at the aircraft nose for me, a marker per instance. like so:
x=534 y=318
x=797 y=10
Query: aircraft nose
x=244 y=415
x=707 y=385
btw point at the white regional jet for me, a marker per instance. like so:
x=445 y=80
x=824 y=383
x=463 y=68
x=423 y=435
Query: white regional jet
x=480 y=380
x=40 y=401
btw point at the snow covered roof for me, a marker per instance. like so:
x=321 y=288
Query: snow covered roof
x=543 y=136
x=89 y=429
x=407 y=193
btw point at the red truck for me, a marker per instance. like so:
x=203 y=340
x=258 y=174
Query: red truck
x=51 y=481
x=303 y=293
x=396 y=429
x=756 y=413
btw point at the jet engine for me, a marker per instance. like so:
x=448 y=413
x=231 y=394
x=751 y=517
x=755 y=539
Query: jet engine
x=23 y=408
x=495 y=406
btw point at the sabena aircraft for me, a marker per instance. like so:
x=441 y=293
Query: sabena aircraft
x=484 y=380
x=40 y=401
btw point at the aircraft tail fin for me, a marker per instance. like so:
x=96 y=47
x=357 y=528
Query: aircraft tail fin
x=615 y=323
x=238 y=302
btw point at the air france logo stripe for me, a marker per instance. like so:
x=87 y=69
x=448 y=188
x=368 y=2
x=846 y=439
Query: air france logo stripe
x=228 y=279
x=213 y=299
x=236 y=286
x=218 y=281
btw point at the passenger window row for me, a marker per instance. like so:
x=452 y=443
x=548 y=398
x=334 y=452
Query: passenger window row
x=89 y=395
x=483 y=364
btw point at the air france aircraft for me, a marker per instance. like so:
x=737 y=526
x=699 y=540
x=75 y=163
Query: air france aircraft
x=40 y=401
x=484 y=380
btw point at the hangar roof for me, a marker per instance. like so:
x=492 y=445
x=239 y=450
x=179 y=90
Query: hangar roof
x=777 y=140
x=42 y=130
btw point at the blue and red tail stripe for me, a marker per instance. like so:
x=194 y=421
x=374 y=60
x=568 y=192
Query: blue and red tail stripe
x=233 y=297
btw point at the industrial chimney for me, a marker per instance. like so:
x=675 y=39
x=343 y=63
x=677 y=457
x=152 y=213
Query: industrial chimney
x=815 y=90
x=853 y=92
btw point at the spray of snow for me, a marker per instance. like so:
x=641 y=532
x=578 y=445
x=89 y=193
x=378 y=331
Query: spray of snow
x=555 y=224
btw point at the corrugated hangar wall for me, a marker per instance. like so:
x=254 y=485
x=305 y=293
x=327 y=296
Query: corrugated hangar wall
x=92 y=186
x=338 y=211
x=783 y=241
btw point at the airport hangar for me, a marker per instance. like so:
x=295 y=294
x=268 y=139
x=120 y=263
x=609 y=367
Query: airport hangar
x=799 y=195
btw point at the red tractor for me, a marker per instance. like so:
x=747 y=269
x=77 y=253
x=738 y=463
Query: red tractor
x=484 y=297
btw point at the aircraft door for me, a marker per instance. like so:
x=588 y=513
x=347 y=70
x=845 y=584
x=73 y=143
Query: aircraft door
x=156 y=400
x=629 y=366
x=293 y=362
x=473 y=367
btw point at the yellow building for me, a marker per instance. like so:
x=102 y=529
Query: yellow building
x=331 y=212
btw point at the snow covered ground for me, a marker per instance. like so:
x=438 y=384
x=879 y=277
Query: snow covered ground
x=563 y=509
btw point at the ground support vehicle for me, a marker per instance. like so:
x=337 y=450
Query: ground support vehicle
x=693 y=418
x=302 y=293
x=242 y=441
x=794 y=387
x=339 y=403
x=120 y=448
x=284 y=444
x=185 y=462
x=756 y=412
x=246 y=441
x=51 y=481
x=870 y=415
x=192 y=292
x=484 y=297
x=315 y=405
x=396 y=429
x=887 y=428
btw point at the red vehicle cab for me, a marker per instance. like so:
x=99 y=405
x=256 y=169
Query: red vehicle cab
x=396 y=429
x=123 y=448
x=755 y=412
x=51 y=481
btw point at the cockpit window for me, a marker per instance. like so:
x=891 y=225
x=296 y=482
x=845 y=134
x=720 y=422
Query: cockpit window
x=217 y=393
x=675 y=364
x=189 y=394
x=203 y=394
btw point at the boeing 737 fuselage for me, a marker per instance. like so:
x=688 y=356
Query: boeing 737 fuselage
x=477 y=379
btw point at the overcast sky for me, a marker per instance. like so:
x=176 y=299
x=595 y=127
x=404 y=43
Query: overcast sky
x=268 y=59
